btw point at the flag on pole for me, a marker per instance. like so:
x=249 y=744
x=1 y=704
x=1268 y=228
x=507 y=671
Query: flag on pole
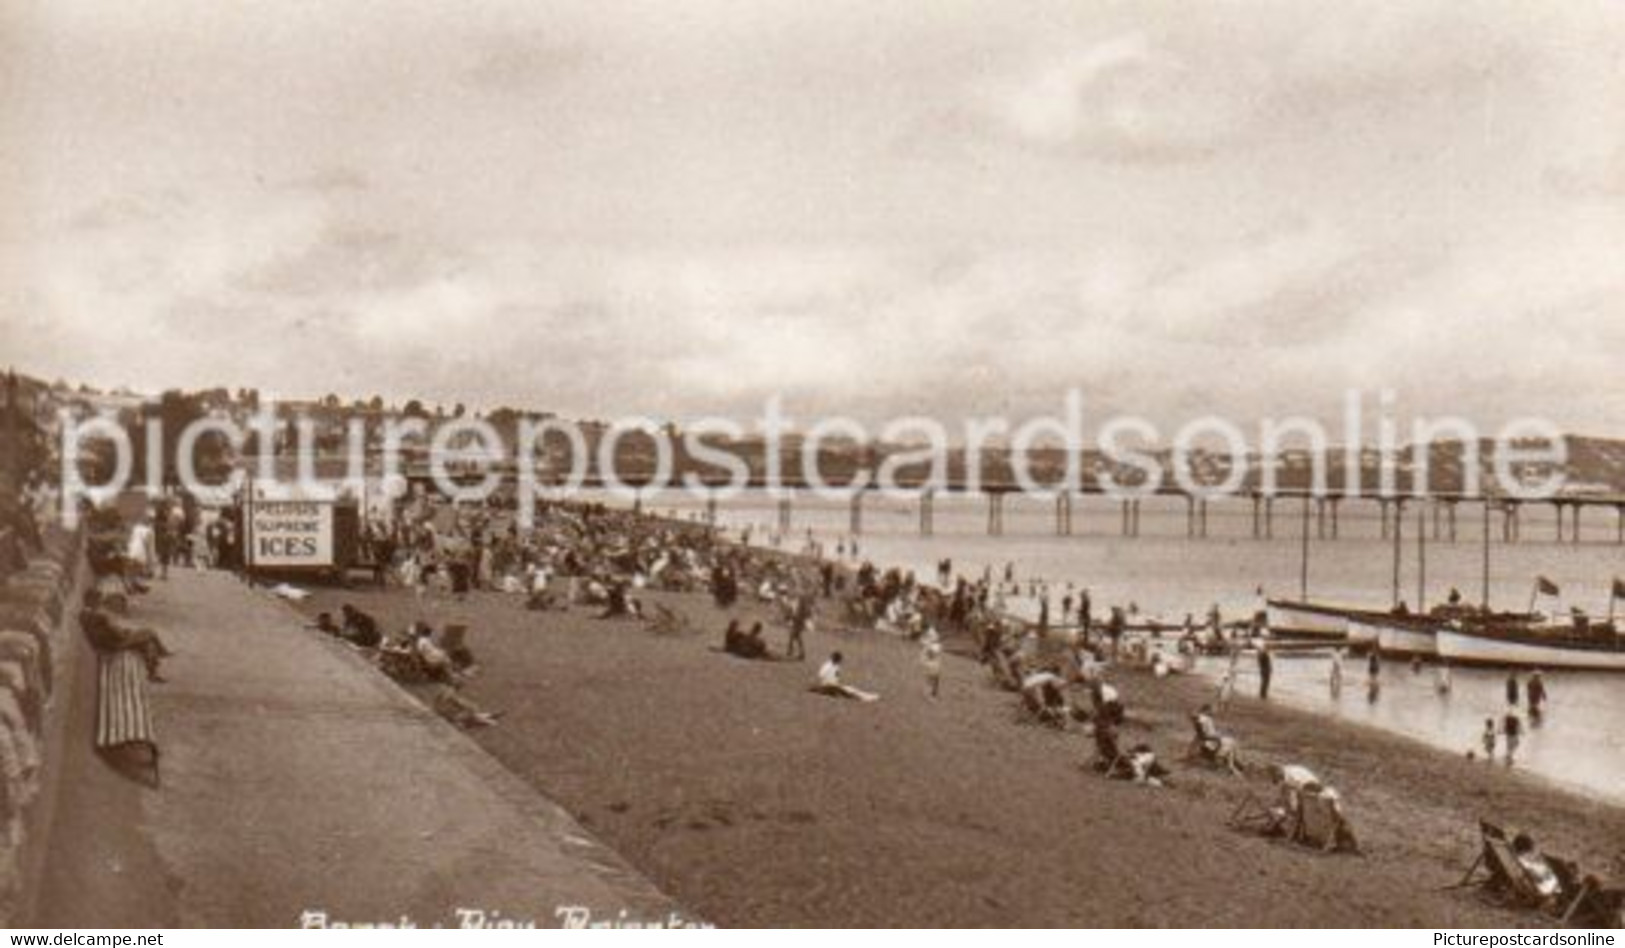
x=1619 y=588
x=1548 y=588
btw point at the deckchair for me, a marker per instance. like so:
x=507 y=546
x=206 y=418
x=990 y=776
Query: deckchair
x=1595 y=906
x=1216 y=750
x=1321 y=824
x=1032 y=702
x=1255 y=816
x=1505 y=879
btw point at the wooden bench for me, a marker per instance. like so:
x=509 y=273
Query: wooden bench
x=123 y=717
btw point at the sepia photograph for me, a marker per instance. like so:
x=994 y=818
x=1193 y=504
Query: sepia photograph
x=560 y=464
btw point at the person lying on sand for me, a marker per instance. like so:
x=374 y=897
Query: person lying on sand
x=544 y=600
x=450 y=704
x=1141 y=766
x=829 y=682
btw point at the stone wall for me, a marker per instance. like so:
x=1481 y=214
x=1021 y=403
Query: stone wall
x=39 y=581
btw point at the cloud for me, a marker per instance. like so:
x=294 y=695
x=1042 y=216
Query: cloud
x=1125 y=99
x=1189 y=85
x=348 y=258
x=125 y=210
x=1298 y=285
x=1272 y=202
x=516 y=64
x=331 y=180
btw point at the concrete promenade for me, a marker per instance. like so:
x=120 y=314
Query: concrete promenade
x=297 y=779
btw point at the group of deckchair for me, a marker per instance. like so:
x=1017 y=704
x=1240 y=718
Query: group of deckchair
x=1513 y=873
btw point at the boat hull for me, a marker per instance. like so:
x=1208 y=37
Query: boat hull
x=1394 y=637
x=1307 y=620
x=1465 y=648
x=1406 y=641
x=1363 y=633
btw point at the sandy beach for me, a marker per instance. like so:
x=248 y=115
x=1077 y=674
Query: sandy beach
x=757 y=803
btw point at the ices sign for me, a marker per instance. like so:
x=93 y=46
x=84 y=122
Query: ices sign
x=291 y=533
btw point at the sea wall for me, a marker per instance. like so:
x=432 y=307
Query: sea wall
x=40 y=578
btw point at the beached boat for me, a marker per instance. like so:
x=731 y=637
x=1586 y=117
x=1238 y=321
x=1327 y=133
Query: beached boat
x=1293 y=619
x=1598 y=649
x=1401 y=636
x=1362 y=633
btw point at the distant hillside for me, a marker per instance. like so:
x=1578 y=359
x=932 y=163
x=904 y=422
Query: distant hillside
x=1594 y=465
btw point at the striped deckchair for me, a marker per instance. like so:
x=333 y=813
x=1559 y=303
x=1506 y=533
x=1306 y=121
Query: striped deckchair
x=123 y=717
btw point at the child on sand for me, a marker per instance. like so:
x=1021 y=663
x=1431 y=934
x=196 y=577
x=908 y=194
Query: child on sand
x=931 y=660
x=1489 y=739
x=1227 y=684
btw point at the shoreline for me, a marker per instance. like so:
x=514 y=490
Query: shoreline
x=601 y=716
x=953 y=644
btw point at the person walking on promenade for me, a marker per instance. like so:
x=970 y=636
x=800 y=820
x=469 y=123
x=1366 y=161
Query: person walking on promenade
x=1336 y=678
x=1266 y=670
x=1512 y=688
x=163 y=540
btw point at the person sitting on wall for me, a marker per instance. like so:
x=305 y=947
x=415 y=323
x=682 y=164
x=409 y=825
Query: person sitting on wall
x=106 y=634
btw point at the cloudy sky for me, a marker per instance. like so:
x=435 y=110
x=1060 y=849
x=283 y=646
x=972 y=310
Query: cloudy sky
x=870 y=207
